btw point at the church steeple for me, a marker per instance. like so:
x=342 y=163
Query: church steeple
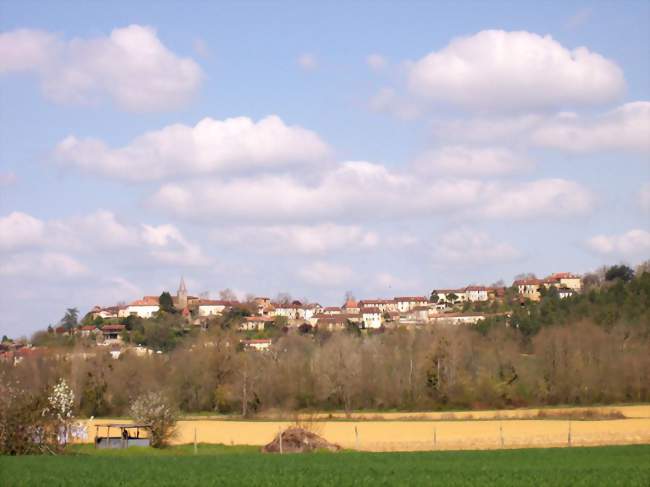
x=181 y=294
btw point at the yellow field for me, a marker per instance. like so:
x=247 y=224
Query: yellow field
x=428 y=431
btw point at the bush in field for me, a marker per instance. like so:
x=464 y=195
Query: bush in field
x=154 y=410
x=24 y=426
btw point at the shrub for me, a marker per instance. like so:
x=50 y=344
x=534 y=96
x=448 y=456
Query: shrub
x=154 y=410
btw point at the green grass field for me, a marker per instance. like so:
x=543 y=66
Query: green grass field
x=219 y=465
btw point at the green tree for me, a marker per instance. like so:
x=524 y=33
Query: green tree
x=619 y=272
x=166 y=302
x=70 y=319
x=434 y=298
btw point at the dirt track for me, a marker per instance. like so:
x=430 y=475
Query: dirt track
x=428 y=431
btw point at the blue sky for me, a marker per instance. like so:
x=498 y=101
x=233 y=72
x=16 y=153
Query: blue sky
x=381 y=148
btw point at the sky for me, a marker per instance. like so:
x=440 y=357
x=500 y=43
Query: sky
x=383 y=148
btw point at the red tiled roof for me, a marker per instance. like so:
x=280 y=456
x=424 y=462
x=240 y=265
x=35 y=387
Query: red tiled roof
x=370 y=310
x=411 y=298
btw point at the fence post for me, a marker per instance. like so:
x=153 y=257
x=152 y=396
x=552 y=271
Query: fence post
x=569 y=434
x=435 y=438
x=280 y=433
x=195 y=449
x=356 y=437
x=501 y=433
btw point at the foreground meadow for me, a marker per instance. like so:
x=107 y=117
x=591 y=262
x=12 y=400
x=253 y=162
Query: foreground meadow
x=219 y=465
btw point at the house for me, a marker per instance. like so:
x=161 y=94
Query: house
x=212 y=307
x=458 y=319
x=260 y=344
x=371 y=317
x=421 y=313
x=255 y=323
x=289 y=311
x=384 y=305
x=529 y=288
x=332 y=310
x=566 y=280
x=112 y=333
x=144 y=308
x=565 y=292
x=331 y=322
x=88 y=330
x=407 y=303
x=476 y=293
x=108 y=312
x=351 y=306
x=451 y=296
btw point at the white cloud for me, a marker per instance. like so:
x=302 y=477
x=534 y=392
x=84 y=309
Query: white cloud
x=20 y=230
x=41 y=265
x=556 y=198
x=308 y=62
x=7 y=178
x=376 y=62
x=470 y=247
x=211 y=146
x=643 y=198
x=303 y=239
x=625 y=128
x=471 y=162
x=98 y=232
x=131 y=66
x=357 y=190
x=326 y=274
x=501 y=70
x=636 y=242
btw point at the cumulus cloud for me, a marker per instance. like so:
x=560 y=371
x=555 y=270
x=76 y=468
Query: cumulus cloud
x=211 y=146
x=376 y=62
x=303 y=239
x=467 y=246
x=308 y=62
x=555 y=198
x=130 y=66
x=41 y=265
x=98 y=232
x=19 y=230
x=360 y=189
x=326 y=274
x=499 y=70
x=625 y=128
x=633 y=243
x=471 y=162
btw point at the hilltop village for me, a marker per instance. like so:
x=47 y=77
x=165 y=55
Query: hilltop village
x=258 y=319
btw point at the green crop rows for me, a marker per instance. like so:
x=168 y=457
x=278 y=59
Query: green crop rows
x=217 y=465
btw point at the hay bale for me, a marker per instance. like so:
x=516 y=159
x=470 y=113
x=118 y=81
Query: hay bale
x=299 y=440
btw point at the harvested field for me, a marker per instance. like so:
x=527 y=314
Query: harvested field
x=436 y=434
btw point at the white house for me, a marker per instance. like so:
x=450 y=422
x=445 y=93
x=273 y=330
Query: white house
x=384 y=305
x=255 y=323
x=407 y=303
x=211 y=307
x=371 y=317
x=476 y=293
x=144 y=308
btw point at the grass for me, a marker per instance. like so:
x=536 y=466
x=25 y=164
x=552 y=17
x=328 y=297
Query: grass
x=225 y=465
